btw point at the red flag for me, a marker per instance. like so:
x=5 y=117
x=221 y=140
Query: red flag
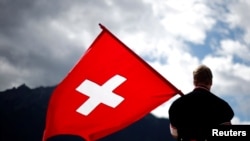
x=108 y=89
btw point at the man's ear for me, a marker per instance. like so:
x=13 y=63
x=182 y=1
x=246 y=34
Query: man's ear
x=173 y=131
x=194 y=83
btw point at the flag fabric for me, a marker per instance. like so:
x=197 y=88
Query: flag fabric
x=108 y=89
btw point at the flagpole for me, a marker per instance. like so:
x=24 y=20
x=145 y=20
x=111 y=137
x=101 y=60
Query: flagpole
x=179 y=91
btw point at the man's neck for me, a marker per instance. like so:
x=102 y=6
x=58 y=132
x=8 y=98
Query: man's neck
x=203 y=87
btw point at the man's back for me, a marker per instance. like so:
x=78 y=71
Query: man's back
x=198 y=110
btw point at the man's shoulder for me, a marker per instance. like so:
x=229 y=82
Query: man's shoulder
x=182 y=99
x=217 y=98
x=197 y=95
x=186 y=96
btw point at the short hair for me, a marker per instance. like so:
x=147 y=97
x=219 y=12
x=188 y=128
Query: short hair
x=202 y=75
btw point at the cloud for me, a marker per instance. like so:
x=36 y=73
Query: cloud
x=32 y=50
x=234 y=48
x=229 y=77
x=237 y=121
x=38 y=51
x=238 y=17
x=188 y=20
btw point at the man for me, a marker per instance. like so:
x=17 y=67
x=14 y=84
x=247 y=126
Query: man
x=192 y=114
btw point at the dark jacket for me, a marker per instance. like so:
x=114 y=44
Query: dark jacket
x=196 y=112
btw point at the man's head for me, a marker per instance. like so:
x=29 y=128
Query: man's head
x=203 y=76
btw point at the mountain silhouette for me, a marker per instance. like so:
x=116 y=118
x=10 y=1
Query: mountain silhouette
x=23 y=112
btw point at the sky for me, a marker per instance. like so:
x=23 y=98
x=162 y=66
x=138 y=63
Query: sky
x=41 y=40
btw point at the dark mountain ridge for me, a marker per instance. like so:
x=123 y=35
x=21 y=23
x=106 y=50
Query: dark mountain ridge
x=23 y=112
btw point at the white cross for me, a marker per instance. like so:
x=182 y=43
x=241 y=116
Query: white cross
x=100 y=94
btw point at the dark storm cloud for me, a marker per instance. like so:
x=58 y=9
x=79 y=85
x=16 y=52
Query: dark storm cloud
x=31 y=51
x=15 y=13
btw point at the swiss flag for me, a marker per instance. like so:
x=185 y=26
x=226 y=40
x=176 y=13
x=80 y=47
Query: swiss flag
x=108 y=89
